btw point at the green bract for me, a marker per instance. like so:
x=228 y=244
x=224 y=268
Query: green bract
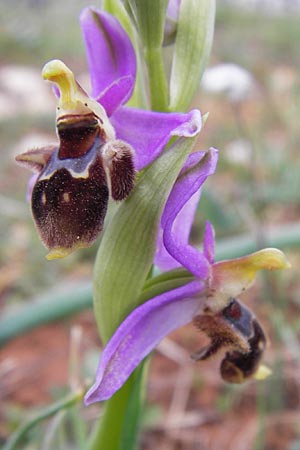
x=129 y=243
x=150 y=19
x=192 y=47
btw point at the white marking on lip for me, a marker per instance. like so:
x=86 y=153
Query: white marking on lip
x=85 y=174
x=66 y=197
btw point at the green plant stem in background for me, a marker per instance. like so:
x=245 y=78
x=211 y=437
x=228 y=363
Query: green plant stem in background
x=69 y=401
x=285 y=237
x=71 y=301
x=48 y=308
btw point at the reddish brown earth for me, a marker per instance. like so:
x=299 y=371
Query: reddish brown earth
x=34 y=366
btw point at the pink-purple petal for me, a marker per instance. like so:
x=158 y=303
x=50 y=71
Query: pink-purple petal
x=148 y=132
x=181 y=227
x=109 y=51
x=189 y=182
x=116 y=94
x=139 y=334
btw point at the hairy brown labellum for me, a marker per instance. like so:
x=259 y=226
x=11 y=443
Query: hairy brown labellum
x=237 y=367
x=236 y=328
x=69 y=210
x=70 y=196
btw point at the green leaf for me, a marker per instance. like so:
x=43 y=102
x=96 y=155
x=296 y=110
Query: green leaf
x=18 y=436
x=192 y=48
x=128 y=245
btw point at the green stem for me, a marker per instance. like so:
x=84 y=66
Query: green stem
x=109 y=428
x=78 y=428
x=67 y=402
x=157 y=79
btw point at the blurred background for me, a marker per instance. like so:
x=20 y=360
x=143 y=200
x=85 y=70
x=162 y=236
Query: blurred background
x=252 y=91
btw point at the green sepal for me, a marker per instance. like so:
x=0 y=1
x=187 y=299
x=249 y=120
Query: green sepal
x=128 y=245
x=150 y=17
x=192 y=48
x=164 y=283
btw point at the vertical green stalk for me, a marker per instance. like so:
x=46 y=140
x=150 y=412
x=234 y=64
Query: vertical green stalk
x=119 y=431
x=107 y=435
x=130 y=242
x=128 y=245
x=157 y=79
x=149 y=17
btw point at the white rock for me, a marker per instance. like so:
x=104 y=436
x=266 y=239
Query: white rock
x=230 y=79
x=23 y=91
x=239 y=151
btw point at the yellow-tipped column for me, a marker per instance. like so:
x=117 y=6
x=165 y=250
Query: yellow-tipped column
x=232 y=277
x=57 y=72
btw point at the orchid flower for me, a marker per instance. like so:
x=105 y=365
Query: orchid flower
x=210 y=300
x=101 y=142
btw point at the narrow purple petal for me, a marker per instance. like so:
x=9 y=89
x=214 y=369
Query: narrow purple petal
x=189 y=181
x=110 y=53
x=181 y=227
x=148 y=132
x=116 y=94
x=209 y=242
x=138 y=335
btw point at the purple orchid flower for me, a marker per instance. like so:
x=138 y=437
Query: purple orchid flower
x=112 y=65
x=209 y=301
x=101 y=142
